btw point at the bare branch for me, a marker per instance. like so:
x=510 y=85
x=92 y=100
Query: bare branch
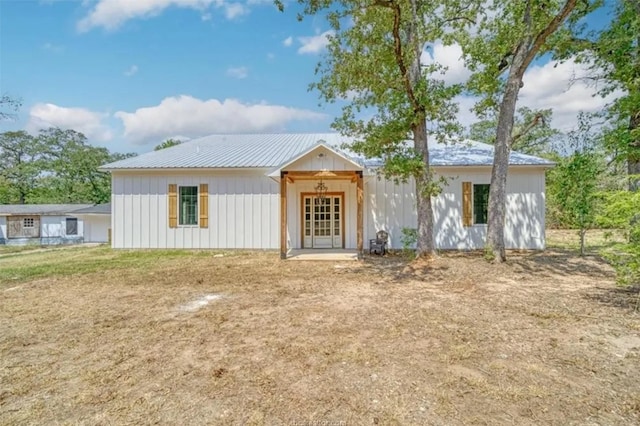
x=537 y=119
x=541 y=38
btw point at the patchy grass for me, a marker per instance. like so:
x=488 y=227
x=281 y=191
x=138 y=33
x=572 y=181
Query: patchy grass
x=545 y=339
x=11 y=249
x=78 y=260
x=595 y=239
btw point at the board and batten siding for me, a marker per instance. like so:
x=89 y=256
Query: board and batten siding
x=243 y=210
x=391 y=207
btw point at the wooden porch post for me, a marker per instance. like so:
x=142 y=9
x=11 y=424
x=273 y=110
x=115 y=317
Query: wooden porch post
x=360 y=213
x=283 y=215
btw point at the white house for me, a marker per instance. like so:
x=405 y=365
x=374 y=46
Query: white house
x=41 y=224
x=260 y=191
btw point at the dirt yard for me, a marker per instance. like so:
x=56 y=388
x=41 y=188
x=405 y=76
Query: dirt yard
x=248 y=339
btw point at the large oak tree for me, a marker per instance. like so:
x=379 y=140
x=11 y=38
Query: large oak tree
x=393 y=98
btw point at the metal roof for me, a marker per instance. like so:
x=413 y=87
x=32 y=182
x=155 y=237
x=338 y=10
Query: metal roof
x=96 y=209
x=272 y=150
x=40 y=209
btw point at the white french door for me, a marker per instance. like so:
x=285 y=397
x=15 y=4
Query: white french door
x=322 y=221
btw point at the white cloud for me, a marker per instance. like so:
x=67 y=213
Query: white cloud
x=42 y=116
x=550 y=86
x=192 y=117
x=235 y=10
x=314 y=44
x=450 y=57
x=133 y=69
x=206 y=17
x=239 y=72
x=110 y=14
x=287 y=41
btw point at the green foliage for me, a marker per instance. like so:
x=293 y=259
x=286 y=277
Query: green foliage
x=575 y=182
x=532 y=132
x=409 y=239
x=8 y=107
x=167 y=144
x=613 y=56
x=57 y=166
x=621 y=210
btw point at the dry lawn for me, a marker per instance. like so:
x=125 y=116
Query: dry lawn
x=544 y=339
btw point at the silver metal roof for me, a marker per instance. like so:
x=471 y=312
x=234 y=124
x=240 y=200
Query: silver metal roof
x=96 y=209
x=40 y=209
x=272 y=150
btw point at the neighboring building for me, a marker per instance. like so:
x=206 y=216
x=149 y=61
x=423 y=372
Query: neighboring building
x=97 y=222
x=260 y=191
x=53 y=224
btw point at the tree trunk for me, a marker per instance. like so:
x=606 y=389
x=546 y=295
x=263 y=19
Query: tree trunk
x=633 y=160
x=426 y=244
x=583 y=232
x=497 y=190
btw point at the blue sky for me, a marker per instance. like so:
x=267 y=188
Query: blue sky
x=130 y=74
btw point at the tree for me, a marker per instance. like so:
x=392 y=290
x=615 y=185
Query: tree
x=576 y=181
x=509 y=37
x=167 y=144
x=617 y=53
x=8 y=107
x=73 y=168
x=532 y=132
x=57 y=166
x=21 y=165
x=375 y=63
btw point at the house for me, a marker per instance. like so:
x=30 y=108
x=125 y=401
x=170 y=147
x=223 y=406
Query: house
x=96 y=222
x=53 y=224
x=293 y=191
x=42 y=224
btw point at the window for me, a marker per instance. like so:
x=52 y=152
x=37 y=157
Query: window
x=480 y=203
x=28 y=222
x=72 y=226
x=188 y=205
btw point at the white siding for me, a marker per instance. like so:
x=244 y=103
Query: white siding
x=56 y=226
x=3 y=228
x=96 y=228
x=244 y=210
x=392 y=207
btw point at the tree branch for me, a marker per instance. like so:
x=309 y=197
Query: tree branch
x=536 y=120
x=541 y=38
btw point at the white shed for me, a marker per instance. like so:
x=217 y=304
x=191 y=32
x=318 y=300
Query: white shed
x=41 y=224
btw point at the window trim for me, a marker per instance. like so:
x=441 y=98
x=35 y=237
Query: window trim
x=473 y=204
x=197 y=207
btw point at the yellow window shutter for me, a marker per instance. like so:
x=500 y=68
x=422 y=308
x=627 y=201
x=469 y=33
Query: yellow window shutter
x=204 y=205
x=467 y=216
x=173 y=205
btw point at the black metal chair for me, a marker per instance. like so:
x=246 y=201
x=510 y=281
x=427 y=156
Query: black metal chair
x=378 y=244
